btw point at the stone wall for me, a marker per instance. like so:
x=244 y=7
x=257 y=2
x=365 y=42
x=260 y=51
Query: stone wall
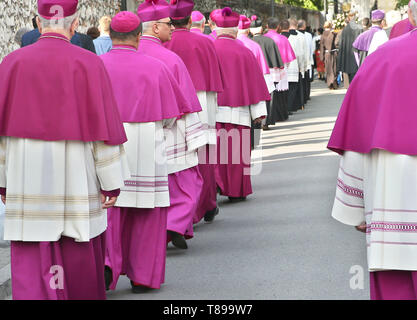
x=262 y=8
x=16 y=14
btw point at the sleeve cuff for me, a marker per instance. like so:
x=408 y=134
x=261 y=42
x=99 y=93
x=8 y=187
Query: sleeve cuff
x=113 y=193
x=3 y=191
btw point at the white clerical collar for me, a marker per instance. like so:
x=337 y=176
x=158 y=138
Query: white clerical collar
x=151 y=38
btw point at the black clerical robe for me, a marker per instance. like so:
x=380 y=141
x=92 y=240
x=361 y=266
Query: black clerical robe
x=346 y=61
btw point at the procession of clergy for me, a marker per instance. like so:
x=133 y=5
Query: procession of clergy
x=150 y=131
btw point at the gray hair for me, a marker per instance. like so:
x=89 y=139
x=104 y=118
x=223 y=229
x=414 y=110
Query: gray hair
x=230 y=31
x=302 y=24
x=413 y=8
x=293 y=22
x=19 y=35
x=198 y=23
x=54 y=24
x=147 y=26
x=256 y=30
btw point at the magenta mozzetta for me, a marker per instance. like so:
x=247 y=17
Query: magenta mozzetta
x=366 y=121
x=33 y=112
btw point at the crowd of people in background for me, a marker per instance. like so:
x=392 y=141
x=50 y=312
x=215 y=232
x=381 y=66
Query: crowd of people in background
x=340 y=52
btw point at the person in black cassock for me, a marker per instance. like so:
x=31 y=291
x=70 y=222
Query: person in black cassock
x=346 y=61
x=278 y=106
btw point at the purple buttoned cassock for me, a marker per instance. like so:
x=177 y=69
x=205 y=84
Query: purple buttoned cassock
x=153 y=95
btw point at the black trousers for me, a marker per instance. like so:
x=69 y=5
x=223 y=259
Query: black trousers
x=293 y=92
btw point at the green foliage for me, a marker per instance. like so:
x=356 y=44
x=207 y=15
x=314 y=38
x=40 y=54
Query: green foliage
x=308 y=4
x=402 y=3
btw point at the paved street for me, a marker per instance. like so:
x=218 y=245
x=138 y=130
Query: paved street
x=282 y=242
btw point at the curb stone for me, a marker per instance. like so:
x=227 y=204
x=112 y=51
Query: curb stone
x=5 y=283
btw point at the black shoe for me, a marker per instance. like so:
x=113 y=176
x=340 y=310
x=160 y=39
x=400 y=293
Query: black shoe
x=210 y=215
x=139 y=289
x=178 y=240
x=237 y=199
x=108 y=277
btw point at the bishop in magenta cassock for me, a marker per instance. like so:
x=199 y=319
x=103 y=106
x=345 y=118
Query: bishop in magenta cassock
x=277 y=108
x=242 y=100
x=187 y=135
x=198 y=22
x=405 y=25
x=243 y=36
x=212 y=24
x=149 y=100
x=287 y=56
x=377 y=180
x=62 y=162
x=200 y=57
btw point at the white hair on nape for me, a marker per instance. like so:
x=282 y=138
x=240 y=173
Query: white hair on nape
x=231 y=31
x=54 y=24
x=256 y=30
x=198 y=23
x=147 y=26
x=413 y=8
x=243 y=31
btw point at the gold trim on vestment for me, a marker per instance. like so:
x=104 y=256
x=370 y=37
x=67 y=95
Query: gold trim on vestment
x=53 y=198
x=35 y=214
x=109 y=160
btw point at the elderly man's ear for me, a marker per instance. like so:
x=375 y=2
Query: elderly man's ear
x=411 y=18
x=74 y=27
x=38 y=23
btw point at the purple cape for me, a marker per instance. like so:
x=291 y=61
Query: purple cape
x=257 y=51
x=363 y=41
x=284 y=46
x=153 y=47
x=200 y=58
x=401 y=28
x=53 y=90
x=144 y=88
x=245 y=84
x=379 y=110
